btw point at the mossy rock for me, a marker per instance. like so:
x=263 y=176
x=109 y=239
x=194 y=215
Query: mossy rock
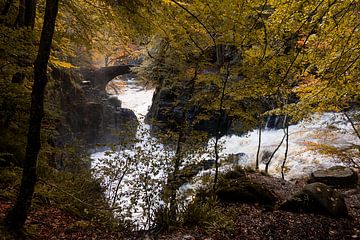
x=317 y=198
x=234 y=186
x=337 y=176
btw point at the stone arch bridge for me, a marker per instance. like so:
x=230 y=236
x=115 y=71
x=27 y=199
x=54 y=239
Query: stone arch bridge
x=100 y=77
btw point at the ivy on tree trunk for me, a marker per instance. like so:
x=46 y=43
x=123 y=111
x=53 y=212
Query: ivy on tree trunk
x=16 y=217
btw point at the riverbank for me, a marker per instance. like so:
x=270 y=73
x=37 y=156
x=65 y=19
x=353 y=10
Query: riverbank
x=221 y=221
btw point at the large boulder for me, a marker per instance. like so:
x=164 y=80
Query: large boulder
x=234 y=186
x=337 y=176
x=316 y=198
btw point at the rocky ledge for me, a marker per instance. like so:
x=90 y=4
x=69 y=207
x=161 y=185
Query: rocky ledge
x=337 y=176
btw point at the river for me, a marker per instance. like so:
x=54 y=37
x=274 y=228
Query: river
x=146 y=161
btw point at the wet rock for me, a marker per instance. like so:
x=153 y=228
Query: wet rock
x=114 y=101
x=125 y=125
x=207 y=164
x=237 y=158
x=170 y=108
x=316 y=198
x=125 y=119
x=89 y=114
x=236 y=187
x=188 y=172
x=337 y=176
x=92 y=117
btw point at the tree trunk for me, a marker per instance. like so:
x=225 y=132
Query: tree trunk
x=258 y=149
x=16 y=217
x=27 y=14
x=30 y=13
x=276 y=149
x=174 y=178
x=6 y=8
x=286 y=131
x=218 y=125
x=20 y=19
x=5 y=11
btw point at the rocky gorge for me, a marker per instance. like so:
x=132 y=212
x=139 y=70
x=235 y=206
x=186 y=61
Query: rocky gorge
x=89 y=115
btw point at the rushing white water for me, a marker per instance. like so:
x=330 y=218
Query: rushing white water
x=134 y=176
x=151 y=157
x=136 y=98
x=330 y=129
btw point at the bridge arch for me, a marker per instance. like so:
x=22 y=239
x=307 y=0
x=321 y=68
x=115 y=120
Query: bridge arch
x=100 y=77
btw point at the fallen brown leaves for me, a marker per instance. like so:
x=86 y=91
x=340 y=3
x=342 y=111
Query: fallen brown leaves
x=52 y=223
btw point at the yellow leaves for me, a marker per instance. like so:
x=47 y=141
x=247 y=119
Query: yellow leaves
x=309 y=82
x=170 y=2
x=190 y=73
x=59 y=63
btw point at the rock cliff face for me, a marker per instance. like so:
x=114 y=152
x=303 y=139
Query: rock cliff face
x=171 y=109
x=88 y=114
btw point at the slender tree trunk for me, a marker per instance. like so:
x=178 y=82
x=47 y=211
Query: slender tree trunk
x=30 y=13
x=218 y=125
x=286 y=131
x=106 y=61
x=25 y=18
x=16 y=217
x=216 y=148
x=276 y=149
x=272 y=155
x=120 y=179
x=258 y=149
x=20 y=19
x=173 y=182
x=27 y=13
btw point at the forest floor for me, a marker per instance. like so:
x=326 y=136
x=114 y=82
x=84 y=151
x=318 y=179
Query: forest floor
x=51 y=223
x=235 y=221
x=252 y=221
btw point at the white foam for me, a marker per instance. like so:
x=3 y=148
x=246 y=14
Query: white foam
x=300 y=160
x=136 y=98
